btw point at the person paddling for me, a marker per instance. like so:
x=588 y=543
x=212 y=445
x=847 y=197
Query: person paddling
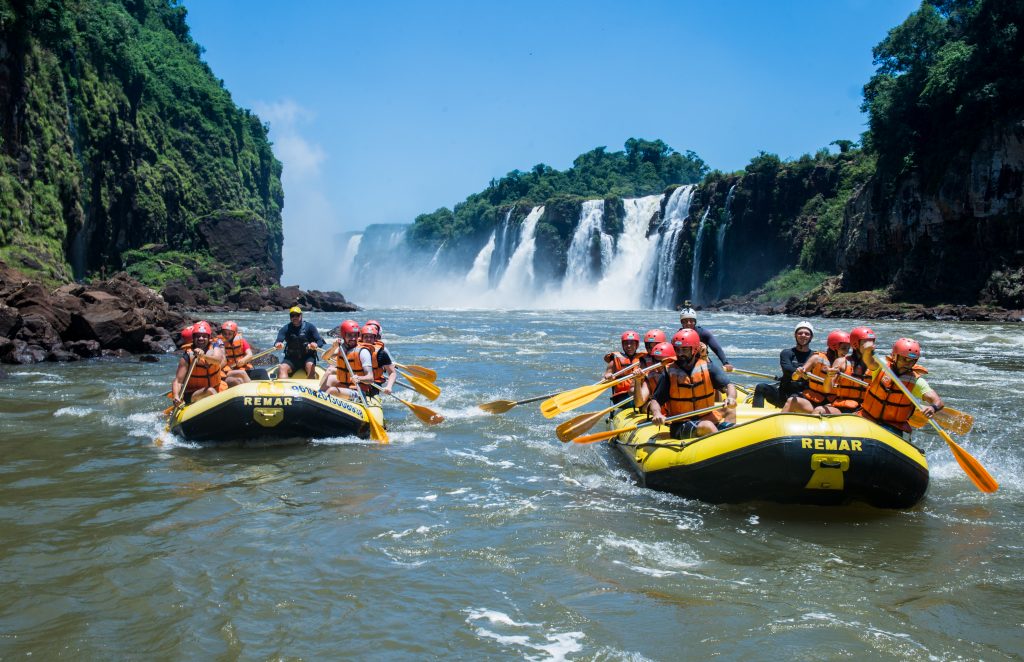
x=205 y=378
x=339 y=381
x=790 y=361
x=642 y=388
x=884 y=402
x=688 y=320
x=380 y=359
x=689 y=384
x=237 y=353
x=300 y=340
x=619 y=361
x=848 y=395
x=817 y=397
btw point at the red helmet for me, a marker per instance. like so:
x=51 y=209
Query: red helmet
x=202 y=327
x=630 y=335
x=686 y=338
x=376 y=324
x=186 y=334
x=370 y=330
x=837 y=338
x=663 y=350
x=907 y=347
x=654 y=336
x=349 y=326
x=229 y=326
x=859 y=335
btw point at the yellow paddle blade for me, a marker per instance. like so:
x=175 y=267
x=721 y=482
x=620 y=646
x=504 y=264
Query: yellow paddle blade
x=425 y=414
x=974 y=470
x=420 y=371
x=427 y=389
x=377 y=431
x=569 y=400
x=574 y=427
x=498 y=406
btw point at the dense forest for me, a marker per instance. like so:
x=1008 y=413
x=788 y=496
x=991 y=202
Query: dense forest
x=119 y=148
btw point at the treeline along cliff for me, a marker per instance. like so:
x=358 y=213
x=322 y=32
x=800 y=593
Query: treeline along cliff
x=120 y=149
x=925 y=208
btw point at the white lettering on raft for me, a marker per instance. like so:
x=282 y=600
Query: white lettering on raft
x=305 y=390
x=266 y=402
x=831 y=444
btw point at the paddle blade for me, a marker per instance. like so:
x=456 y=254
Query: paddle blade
x=423 y=387
x=570 y=400
x=425 y=414
x=377 y=431
x=577 y=426
x=498 y=406
x=954 y=421
x=974 y=470
x=420 y=371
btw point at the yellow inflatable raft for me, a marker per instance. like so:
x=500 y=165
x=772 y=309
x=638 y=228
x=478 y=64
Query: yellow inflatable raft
x=277 y=409
x=785 y=458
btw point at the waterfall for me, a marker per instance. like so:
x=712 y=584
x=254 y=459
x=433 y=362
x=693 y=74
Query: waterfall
x=347 y=265
x=478 y=275
x=504 y=245
x=624 y=279
x=518 y=277
x=698 y=250
x=720 y=243
x=677 y=209
x=580 y=267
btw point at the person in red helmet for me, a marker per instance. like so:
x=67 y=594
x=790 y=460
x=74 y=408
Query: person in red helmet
x=817 y=397
x=652 y=339
x=300 y=340
x=884 y=402
x=690 y=384
x=848 y=395
x=384 y=374
x=643 y=388
x=339 y=381
x=237 y=353
x=205 y=378
x=618 y=361
x=186 y=338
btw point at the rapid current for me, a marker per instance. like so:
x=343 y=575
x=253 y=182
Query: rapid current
x=485 y=537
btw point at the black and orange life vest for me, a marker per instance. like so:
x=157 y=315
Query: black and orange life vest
x=204 y=375
x=233 y=351
x=885 y=402
x=344 y=378
x=815 y=391
x=374 y=349
x=848 y=395
x=620 y=362
x=689 y=390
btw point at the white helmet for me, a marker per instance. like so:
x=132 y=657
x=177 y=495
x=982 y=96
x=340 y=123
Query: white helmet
x=804 y=325
x=687 y=313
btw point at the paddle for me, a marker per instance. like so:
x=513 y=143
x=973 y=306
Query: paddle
x=574 y=427
x=974 y=469
x=425 y=414
x=502 y=406
x=420 y=371
x=608 y=434
x=377 y=431
x=173 y=409
x=577 y=397
x=428 y=389
x=757 y=374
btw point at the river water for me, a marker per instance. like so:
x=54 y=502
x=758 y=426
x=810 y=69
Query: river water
x=484 y=537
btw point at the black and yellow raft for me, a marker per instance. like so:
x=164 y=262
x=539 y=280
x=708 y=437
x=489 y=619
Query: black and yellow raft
x=277 y=409
x=784 y=458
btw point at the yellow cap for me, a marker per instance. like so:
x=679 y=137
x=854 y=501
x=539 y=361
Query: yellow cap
x=295 y=310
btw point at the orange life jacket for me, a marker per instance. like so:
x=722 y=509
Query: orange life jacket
x=848 y=396
x=204 y=375
x=651 y=378
x=885 y=402
x=815 y=391
x=344 y=378
x=688 y=391
x=233 y=351
x=619 y=362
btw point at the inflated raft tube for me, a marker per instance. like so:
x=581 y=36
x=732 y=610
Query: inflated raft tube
x=784 y=458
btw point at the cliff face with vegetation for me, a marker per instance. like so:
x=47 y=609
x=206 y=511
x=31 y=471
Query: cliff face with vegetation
x=119 y=149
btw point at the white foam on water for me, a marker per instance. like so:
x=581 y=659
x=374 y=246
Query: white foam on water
x=503 y=464
x=660 y=556
x=428 y=497
x=461 y=490
x=556 y=645
x=33 y=373
x=76 y=412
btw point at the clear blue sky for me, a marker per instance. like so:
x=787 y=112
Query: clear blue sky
x=382 y=111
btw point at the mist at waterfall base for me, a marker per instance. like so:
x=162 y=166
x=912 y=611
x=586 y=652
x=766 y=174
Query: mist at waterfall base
x=635 y=269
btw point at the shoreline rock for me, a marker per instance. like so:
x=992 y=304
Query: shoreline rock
x=117 y=316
